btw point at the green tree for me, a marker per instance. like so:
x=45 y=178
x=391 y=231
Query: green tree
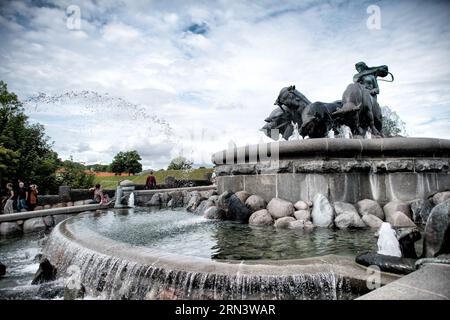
x=36 y=161
x=127 y=161
x=74 y=174
x=8 y=164
x=180 y=163
x=392 y=124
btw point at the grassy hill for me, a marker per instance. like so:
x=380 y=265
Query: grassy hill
x=111 y=182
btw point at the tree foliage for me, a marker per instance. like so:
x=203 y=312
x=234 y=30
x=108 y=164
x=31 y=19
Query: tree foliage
x=180 y=163
x=127 y=161
x=98 y=167
x=74 y=174
x=392 y=124
x=35 y=161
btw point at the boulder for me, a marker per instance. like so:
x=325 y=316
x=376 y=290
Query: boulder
x=309 y=203
x=42 y=208
x=368 y=206
x=283 y=223
x=421 y=209
x=372 y=221
x=260 y=217
x=214 y=213
x=34 y=225
x=48 y=221
x=73 y=292
x=301 y=205
x=235 y=210
x=347 y=216
x=194 y=201
x=165 y=198
x=406 y=239
x=2 y=269
x=344 y=207
x=279 y=208
x=155 y=200
x=186 y=197
x=205 y=204
x=214 y=198
x=211 y=193
x=242 y=195
x=441 y=197
x=322 y=213
x=297 y=224
x=255 y=203
x=10 y=228
x=304 y=215
x=386 y=263
x=399 y=219
x=394 y=206
x=308 y=225
x=177 y=199
x=170 y=204
x=437 y=231
x=75 y=203
x=46 y=272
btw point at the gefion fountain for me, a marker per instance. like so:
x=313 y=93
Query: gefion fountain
x=175 y=254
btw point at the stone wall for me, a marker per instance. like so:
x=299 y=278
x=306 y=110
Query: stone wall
x=342 y=169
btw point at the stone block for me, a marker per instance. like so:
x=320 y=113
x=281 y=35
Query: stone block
x=344 y=187
x=262 y=185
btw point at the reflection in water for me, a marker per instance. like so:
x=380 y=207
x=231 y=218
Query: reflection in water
x=179 y=232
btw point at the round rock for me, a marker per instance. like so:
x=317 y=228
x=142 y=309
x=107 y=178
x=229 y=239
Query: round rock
x=368 y=206
x=399 y=219
x=372 y=221
x=441 y=197
x=283 y=223
x=255 y=203
x=391 y=207
x=214 y=213
x=279 y=208
x=34 y=225
x=301 y=205
x=242 y=195
x=304 y=215
x=260 y=217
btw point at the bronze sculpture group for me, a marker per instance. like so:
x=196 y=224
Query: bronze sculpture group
x=358 y=109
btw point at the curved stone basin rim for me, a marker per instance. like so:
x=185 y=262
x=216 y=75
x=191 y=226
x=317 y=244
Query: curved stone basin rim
x=90 y=240
x=385 y=147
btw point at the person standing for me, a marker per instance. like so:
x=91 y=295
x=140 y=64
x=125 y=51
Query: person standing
x=150 y=183
x=9 y=199
x=32 y=197
x=22 y=197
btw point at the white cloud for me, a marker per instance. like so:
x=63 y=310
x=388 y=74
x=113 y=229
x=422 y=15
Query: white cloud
x=217 y=82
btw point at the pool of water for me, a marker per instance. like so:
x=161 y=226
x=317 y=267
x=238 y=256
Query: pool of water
x=21 y=257
x=180 y=232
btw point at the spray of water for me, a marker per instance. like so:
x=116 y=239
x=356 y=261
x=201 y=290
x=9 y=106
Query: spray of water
x=387 y=241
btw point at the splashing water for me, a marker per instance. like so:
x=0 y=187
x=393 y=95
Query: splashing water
x=131 y=200
x=387 y=241
x=330 y=134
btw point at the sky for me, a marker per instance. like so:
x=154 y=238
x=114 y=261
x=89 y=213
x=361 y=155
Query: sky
x=169 y=78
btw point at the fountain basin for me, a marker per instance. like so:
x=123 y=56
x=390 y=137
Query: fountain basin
x=346 y=170
x=116 y=267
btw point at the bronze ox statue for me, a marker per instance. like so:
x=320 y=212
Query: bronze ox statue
x=358 y=109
